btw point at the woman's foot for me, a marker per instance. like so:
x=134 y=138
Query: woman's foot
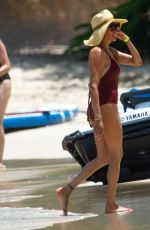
x=63 y=194
x=116 y=208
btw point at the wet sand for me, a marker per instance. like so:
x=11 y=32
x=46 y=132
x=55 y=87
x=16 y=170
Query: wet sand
x=28 y=201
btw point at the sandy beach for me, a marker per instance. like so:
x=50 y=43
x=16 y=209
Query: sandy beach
x=40 y=80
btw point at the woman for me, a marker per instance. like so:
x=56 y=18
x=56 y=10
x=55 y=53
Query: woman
x=5 y=90
x=102 y=110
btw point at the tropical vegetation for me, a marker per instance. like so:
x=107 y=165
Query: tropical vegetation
x=138 y=14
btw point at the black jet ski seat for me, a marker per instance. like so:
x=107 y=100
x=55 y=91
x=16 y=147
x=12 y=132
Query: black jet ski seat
x=135 y=97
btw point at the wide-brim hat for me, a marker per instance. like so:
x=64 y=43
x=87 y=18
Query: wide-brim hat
x=100 y=23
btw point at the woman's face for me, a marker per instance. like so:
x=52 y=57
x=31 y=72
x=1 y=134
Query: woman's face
x=110 y=32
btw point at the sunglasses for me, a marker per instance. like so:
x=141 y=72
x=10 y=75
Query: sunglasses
x=114 y=26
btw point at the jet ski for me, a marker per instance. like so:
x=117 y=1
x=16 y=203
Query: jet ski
x=135 y=121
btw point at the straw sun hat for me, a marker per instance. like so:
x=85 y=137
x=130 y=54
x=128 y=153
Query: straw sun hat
x=100 y=23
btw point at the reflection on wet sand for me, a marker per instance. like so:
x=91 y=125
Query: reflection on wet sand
x=118 y=221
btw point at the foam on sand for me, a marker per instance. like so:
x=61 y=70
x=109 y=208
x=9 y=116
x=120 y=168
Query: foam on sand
x=35 y=218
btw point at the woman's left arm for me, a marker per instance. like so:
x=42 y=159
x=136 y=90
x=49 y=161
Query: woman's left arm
x=132 y=59
x=4 y=60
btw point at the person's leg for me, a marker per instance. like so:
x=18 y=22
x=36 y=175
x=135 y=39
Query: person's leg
x=5 y=91
x=101 y=160
x=113 y=136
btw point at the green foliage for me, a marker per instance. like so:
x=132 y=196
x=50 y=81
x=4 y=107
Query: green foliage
x=138 y=14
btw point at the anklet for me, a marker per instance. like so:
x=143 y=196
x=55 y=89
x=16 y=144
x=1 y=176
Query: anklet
x=70 y=186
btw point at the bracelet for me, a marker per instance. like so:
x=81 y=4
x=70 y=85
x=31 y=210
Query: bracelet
x=127 y=38
x=98 y=118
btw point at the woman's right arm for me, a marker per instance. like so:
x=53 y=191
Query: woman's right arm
x=97 y=62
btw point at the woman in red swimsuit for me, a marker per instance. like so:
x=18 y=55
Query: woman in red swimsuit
x=102 y=110
x=5 y=90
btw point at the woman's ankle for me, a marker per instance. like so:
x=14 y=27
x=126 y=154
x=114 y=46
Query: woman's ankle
x=70 y=186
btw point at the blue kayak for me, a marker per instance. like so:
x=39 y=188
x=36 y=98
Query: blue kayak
x=37 y=118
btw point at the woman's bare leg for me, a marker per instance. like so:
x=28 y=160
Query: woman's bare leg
x=101 y=160
x=5 y=90
x=113 y=136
